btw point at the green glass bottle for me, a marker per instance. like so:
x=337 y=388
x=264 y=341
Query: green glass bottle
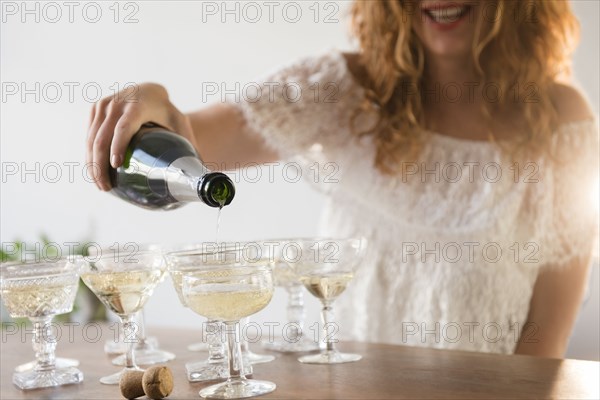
x=162 y=170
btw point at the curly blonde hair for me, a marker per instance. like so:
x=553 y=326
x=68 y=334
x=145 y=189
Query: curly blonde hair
x=529 y=42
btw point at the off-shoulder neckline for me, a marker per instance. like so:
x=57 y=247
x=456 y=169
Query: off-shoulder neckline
x=565 y=126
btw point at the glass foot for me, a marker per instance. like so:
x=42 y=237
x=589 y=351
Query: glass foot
x=33 y=379
x=146 y=357
x=203 y=371
x=285 y=346
x=114 y=379
x=330 y=357
x=59 y=363
x=253 y=358
x=112 y=347
x=200 y=346
x=238 y=389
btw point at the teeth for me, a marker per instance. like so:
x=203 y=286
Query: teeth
x=447 y=15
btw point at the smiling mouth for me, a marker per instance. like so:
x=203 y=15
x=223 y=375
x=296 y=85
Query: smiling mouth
x=447 y=15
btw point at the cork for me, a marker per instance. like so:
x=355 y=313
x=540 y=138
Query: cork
x=157 y=382
x=131 y=384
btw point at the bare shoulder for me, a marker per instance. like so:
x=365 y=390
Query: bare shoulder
x=571 y=105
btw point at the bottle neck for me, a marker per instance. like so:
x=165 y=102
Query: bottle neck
x=183 y=177
x=216 y=189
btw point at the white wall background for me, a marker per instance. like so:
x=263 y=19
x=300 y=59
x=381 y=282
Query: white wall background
x=180 y=45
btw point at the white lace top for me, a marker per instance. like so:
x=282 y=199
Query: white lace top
x=455 y=241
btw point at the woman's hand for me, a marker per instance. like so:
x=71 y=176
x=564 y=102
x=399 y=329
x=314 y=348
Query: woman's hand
x=115 y=119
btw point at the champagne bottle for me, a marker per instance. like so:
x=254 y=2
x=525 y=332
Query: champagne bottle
x=162 y=170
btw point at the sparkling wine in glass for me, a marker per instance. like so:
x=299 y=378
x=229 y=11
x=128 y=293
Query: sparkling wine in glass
x=38 y=291
x=228 y=291
x=293 y=339
x=325 y=268
x=215 y=367
x=124 y=283
x=187 y=262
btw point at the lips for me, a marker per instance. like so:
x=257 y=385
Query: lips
x=446 y=14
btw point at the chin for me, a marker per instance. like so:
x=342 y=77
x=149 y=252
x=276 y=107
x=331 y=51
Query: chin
x=448 y=48
x=446 y=28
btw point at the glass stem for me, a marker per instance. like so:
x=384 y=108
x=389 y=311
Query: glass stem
x=328 y=316
x=216 y=350
x=130 y=337
x=245 y=348
x=141 y=328
x=43 y=343
x=295 y=310
x=236 y=362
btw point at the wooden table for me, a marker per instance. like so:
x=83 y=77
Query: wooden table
x=385 y=372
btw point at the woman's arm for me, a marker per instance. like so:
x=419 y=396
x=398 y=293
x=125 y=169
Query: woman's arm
x=557 y=296
x=559 y=290
x=223 y=138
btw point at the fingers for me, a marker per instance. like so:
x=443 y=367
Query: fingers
x=97 y=117
x=115 y=120
x=129 y=123
x=100 y=152
x=112 y=125
x=92 y=114
x=89 y=140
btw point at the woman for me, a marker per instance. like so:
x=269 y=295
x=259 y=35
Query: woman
x=451 y=146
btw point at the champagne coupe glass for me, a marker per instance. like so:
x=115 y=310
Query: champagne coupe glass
x=215 y=367
x=124 y=283
x=293 y=340
x=185 y=262
x=234 y=290
x=325 y=267
x=216 y=350
x=38 y=291
x=146 y=350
